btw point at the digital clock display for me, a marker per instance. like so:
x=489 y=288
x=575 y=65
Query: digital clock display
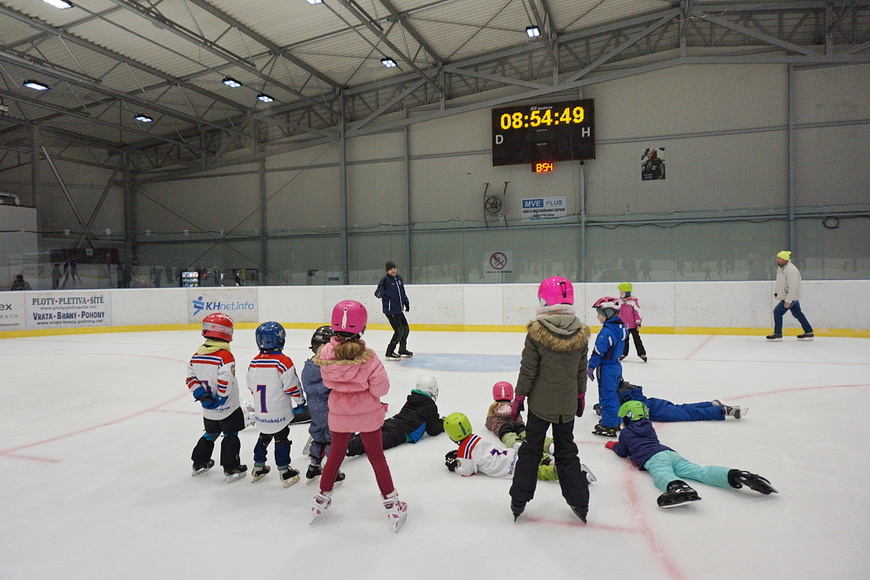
x=552 y=132
x=543 y=167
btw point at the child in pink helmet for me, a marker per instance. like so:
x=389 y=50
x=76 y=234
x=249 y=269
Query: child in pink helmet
x=357 y=380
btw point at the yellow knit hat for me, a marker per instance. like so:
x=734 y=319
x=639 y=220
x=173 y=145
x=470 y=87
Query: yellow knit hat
x=785 y=255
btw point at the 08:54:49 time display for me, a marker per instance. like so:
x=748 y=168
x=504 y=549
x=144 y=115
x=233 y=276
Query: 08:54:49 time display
x=538 y=117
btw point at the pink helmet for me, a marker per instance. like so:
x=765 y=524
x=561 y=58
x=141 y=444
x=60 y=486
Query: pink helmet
x=219 y=326
x=556 y=290
x=349 y=316
x=502 y=391
x=607 y=305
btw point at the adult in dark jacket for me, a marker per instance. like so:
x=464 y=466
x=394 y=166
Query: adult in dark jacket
x=418 y=416
x=553 y=378
x=391 y=291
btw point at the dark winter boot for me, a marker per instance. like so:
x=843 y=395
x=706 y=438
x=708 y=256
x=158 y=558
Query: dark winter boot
x=678 y=493
x=738 y=479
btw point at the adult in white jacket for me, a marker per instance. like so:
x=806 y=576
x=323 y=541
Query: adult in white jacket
x=788 y=291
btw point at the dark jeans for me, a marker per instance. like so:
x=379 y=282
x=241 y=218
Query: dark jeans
x=400 y=332
x=575 y=487
x=795 y=310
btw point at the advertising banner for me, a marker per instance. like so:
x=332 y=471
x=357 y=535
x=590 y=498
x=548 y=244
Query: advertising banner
x=68 y=309
x=544 y=208
x=240 y=303
x=12 y=311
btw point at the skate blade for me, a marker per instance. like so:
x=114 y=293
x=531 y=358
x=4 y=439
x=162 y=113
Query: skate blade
x=256 y=478
x=311 y=480
x=810 y=339
x=234 y=476
x=590 y=477
x=398 y=523
x=291 y=481
x=680 y=502
x=196 y=472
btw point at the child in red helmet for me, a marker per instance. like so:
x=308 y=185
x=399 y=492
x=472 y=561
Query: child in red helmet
x=211 y=379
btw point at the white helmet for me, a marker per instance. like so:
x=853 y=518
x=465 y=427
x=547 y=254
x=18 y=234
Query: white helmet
x=428 y=385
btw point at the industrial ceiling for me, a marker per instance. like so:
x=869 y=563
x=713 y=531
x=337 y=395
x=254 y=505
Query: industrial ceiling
x=147 y=78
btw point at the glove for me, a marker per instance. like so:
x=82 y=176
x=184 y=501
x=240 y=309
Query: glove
x=299 y=409
x=517 y=406
x=581 y=404
x=590 y=374
x=610 y=444
x=407 y=308
x=204 y=398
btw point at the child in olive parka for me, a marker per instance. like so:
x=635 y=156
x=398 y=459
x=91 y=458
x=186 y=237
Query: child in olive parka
x=553 y=378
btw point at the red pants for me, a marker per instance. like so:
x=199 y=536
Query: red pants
x=374 y=446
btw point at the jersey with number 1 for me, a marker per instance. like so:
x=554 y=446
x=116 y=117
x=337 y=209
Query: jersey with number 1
x=476 y=455
x=273 y=381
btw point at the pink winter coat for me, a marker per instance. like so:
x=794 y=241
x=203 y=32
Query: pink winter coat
x=629 y=312
x=356 y=388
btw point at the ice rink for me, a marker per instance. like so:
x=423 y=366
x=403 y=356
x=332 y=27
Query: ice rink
x=98 y=429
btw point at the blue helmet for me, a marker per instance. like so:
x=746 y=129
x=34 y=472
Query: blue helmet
x=270 y=336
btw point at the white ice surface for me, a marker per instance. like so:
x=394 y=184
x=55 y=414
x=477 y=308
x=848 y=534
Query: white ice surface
x=97 y=431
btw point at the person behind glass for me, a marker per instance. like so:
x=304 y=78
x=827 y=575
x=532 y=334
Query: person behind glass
x=629 y=314
x=553 y=378
x=604 y=364
x=357 y=380
x=20 y=283
x=391 y=291
x=788 y=290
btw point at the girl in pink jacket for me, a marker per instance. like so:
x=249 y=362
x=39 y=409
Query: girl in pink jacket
x=629 y=314
x=357 y=380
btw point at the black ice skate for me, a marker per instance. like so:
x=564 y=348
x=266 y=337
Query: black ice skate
x=580 y=512
x=234 y=473
x=738 y=479
x=404 y=352
x=199 y=469
x=392 y=356
x=606 y=431
x=774 y=337
x=517 y=508
x=289 y=476
x=678 y=493
x=806 y=336
x=259 y=472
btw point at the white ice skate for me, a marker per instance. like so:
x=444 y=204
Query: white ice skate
x=397 y=510
x=321 y=502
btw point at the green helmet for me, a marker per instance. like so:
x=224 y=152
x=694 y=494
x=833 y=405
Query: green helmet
x=624 y=287
x=633 y=411
x=457 y=426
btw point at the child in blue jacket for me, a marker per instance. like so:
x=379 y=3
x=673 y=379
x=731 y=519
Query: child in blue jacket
x=639 y=443
x=604 y=364
x=317 y=396
x=666 y=411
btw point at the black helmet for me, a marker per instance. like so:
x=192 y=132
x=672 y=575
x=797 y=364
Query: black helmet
x=320 y=337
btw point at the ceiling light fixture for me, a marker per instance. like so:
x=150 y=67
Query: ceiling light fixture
x=231 y=82
x=312 y=2
x=35 y=85
x=533 y=31
x=388 y=62
x=62 y=4
x=265 y=98
x=143 y=118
